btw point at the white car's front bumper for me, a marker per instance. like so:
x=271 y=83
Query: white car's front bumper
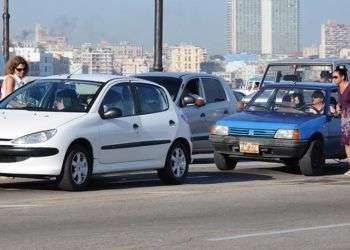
x=17 y=161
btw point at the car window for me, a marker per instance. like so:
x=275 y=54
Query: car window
x=333 y=103
x=172 y=84
x=299 y=73
x=192 y=89
x=152 y=99
x=53 y=95
x=214 y=92
x=120 y=96
x=290 y=100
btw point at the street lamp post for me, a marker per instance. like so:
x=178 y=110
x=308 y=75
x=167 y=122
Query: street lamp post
x=6 y=31
x=158 y=36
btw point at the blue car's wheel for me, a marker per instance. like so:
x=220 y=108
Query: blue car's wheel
x=223 y=162
x=313 y=161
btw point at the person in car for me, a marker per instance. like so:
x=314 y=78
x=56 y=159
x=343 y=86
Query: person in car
x=340 y=78
x=67 y=99
x=298 y=100
x=318 y=105
x=325 y=76
x=16 y=69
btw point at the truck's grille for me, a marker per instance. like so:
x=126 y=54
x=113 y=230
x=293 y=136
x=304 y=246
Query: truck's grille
x=267 y=133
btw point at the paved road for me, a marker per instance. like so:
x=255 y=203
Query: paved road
x=257 y=206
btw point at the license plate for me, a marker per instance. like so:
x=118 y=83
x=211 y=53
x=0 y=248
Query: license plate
x=249 y=148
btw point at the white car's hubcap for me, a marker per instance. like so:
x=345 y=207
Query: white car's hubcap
x=79 y=168
x=178 y=162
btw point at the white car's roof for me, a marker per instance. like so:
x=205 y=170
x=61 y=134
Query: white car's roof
x=87 y=77
x=173 y=74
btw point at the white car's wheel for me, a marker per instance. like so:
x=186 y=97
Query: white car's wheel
x=176 y=166
x=76 y=169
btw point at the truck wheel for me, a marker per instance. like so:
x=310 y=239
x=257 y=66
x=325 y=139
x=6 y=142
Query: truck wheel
x=223 y=162
x=176 y=165
x=313 y=161
x=76 y=169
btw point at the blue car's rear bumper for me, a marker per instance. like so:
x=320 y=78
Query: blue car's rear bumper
x=269 y=148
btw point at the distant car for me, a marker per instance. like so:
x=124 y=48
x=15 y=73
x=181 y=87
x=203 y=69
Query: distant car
x=285 y=123
x=203 y=98
x=73 y=127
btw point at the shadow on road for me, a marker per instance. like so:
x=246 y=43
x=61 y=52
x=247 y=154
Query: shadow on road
x=330 y=169
x=139 y=180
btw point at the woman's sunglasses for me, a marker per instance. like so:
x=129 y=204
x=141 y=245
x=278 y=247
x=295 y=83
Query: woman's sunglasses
x=21 y=69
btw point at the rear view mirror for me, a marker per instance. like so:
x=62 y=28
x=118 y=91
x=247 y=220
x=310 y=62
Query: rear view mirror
x=110 y=113
x=189 y=100
x=194 y=99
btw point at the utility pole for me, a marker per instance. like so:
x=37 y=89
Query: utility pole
x=6 y=31
x=158 y=35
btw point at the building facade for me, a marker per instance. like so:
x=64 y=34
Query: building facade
x=334 y=37
x=185 y=57
x=311 y=51
x=42 y=63
x=244 y=26
x=280 y=26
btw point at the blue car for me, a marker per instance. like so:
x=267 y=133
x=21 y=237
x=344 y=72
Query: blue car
x=294 y=123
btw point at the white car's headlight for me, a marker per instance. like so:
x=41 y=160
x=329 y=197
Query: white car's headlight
x=292 y=134
x=38 y=137
x=218 y=130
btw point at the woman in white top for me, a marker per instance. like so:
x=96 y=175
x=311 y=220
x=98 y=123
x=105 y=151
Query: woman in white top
x=16 y=69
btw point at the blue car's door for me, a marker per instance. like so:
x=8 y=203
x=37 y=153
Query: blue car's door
x=332 y=143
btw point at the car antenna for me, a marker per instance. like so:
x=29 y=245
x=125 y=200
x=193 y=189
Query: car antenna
x=70 y=75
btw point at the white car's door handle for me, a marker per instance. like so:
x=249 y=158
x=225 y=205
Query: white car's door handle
x=135 y=126
x=172 y=123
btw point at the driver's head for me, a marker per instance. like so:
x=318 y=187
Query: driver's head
x=317 y=97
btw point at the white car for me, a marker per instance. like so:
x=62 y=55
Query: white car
x=73 y=127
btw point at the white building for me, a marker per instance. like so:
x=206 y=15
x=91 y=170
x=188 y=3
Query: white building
x=311 y=51
x=42 y=63
x=244 y=26
x=345 y=53
x=133 y=66
x=334 y=37
x=97 y=60
x=185 y=57
x=280 y=26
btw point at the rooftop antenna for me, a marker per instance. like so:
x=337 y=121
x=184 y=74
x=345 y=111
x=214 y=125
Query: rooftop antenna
x=70 y=75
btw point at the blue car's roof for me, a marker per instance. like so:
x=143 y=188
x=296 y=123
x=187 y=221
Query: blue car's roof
x=318 y=85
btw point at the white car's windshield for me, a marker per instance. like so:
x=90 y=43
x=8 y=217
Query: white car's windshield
x=299 y=73
x=53 y=95
x=293 y=101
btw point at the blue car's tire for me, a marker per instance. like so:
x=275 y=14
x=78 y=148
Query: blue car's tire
x=313 y=161
x=223 y=162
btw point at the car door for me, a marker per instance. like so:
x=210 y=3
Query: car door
x=118 y=136
x=217 y=102
x=195 y=115
x=333 y=146
x=157 y=122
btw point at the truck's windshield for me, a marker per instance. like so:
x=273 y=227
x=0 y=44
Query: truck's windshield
x=298 y=73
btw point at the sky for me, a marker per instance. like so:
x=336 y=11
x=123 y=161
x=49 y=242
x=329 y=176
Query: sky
x=202 y=22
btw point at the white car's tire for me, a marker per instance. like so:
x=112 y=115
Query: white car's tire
x=76 y=169
x=176 y=165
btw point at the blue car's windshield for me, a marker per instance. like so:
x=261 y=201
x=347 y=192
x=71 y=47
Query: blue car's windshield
x=53 y=95
x=292 y=101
